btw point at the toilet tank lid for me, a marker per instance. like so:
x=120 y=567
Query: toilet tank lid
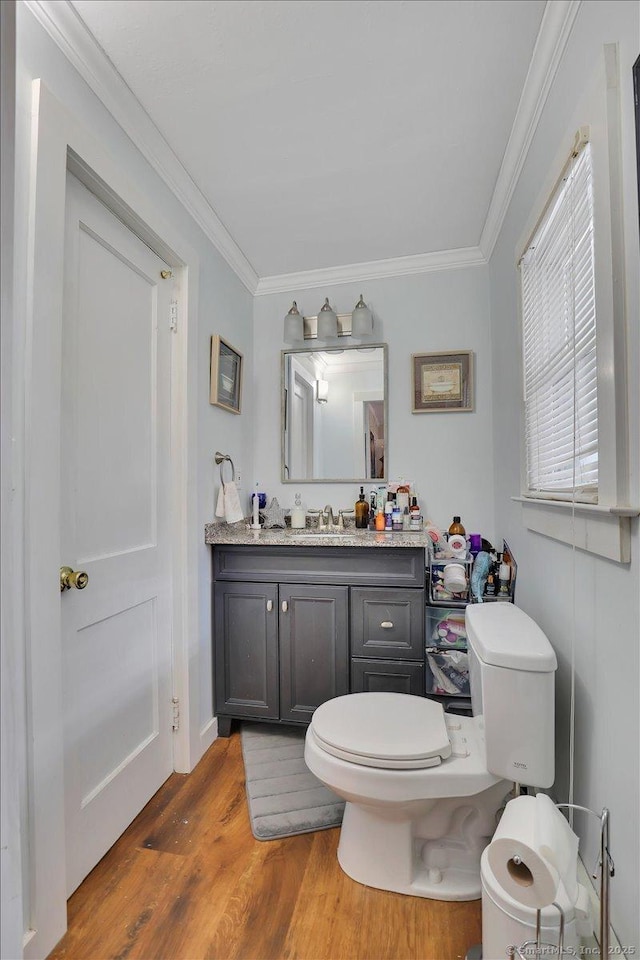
x=503 y=635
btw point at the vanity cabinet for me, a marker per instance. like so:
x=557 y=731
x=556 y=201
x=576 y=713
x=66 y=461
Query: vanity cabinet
x=282 y=649
x=295 y=626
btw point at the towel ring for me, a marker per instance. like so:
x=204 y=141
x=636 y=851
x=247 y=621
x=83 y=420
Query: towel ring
x=221 y=459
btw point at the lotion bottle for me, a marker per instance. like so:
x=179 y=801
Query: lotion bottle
x=298 y=517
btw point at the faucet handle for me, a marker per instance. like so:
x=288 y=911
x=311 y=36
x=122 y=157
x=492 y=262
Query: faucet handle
x=341 y=519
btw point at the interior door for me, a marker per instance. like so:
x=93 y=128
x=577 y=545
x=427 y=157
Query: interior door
x=301 y=430
x=115 y=527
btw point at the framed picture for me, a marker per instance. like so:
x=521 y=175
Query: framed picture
x=442 y=382
x=226 y=375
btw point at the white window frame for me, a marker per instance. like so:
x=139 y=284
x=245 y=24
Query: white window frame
x=540 y=278
x=603 y=527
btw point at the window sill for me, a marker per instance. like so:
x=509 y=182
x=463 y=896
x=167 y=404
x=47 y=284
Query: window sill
x=605 y=531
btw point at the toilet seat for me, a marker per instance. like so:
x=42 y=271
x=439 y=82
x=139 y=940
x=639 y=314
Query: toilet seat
x=384 y=730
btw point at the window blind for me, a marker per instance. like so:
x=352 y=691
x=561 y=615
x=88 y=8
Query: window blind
x=559 y=342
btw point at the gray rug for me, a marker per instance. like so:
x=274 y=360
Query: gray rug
x=285 y=798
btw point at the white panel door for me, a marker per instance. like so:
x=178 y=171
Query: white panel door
x=116 y=632
x=301 y=430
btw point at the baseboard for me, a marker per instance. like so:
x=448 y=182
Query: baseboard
x=208 y=733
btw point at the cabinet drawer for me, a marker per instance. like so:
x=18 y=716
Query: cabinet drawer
x=387 y=623
x=384 y=566
x=387 y=676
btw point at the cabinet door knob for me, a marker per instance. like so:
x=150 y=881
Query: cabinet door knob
x=285 y=606
x=386 y=624
x=269 y=606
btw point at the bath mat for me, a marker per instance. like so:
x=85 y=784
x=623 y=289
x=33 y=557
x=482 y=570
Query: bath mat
x=284 y=797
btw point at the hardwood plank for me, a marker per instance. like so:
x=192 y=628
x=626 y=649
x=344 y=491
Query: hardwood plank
x=188 y=881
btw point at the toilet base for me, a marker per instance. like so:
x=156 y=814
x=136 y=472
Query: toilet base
x=433 y=853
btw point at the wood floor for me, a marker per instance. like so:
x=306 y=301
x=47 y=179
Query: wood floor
x=187 y=881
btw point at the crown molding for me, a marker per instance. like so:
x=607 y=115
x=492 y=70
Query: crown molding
x=557 y=21
x=373 y=270
x=68 y=31
x=79 y=46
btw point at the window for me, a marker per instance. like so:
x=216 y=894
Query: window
x=559 y=341
x=578 y=427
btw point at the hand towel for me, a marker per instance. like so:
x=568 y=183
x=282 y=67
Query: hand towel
x=228 y=505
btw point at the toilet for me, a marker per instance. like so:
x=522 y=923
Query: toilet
x=423 y=788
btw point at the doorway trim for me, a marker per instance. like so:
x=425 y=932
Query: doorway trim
x=60 y=142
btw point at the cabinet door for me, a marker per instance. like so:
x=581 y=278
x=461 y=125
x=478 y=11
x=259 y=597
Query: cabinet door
x=246 y=649
x=387 y=623
x=387 y=676
x=314 y=666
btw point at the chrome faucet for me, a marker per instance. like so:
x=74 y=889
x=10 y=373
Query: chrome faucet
x=329 y=512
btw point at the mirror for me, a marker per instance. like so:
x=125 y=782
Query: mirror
x=334 y=414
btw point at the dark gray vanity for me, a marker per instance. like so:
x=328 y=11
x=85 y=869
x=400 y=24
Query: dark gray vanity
x=297 y=622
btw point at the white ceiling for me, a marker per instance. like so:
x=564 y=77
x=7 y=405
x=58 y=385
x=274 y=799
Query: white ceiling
x=325 y=132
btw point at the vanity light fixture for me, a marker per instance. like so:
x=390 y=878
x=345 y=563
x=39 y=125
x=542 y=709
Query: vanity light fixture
x=328 y=325
x=322 y=391
x=327 y=322
x=293 y=325
x=361 y=320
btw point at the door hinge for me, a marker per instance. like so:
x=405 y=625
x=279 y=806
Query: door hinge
x=173 y=316
x=175 y=702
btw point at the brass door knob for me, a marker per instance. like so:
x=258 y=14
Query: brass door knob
x=73 y=578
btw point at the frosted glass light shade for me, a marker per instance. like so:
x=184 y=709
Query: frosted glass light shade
x=293 y=327
x=327 y=322
x=361 y=319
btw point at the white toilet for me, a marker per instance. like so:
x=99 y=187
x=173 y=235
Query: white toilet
x=423 y=787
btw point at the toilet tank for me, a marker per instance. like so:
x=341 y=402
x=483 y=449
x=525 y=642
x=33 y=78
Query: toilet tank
x=512 y=675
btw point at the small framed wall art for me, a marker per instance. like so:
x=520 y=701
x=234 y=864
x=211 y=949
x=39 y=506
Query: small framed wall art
x=226 y=375
x=442 y=382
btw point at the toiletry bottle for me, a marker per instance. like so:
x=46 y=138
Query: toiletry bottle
x=414 y=508
x=490 y=589
x=380 y=520
x=456 y=527
x=362 y=511
x=298 y=518
x=504 y=576
x=402 y=496
x=406 y=519
x=396 y=519
x=388 y=511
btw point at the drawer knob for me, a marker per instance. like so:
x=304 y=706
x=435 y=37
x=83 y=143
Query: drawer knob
x=269 y=606
x=386 y=624
x=285 y=606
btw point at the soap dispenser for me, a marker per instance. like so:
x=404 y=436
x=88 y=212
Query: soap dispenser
x=298 y=516
x=362 y=511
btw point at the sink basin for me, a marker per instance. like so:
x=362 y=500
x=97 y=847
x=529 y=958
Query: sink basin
x=316 y=536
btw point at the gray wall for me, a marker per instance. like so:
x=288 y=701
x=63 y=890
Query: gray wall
x=449 y=455
x=607 y=601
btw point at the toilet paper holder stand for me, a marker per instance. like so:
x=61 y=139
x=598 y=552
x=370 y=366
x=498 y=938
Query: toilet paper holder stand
x=607 y=870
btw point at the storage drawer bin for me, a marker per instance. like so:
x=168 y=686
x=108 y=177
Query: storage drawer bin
x=445 y=627
x=436 y=575
x=447 y=672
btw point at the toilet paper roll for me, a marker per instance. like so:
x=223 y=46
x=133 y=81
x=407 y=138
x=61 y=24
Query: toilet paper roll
x=557 y=843
x=517 y=864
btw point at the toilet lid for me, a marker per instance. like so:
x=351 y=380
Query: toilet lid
x=383 y=729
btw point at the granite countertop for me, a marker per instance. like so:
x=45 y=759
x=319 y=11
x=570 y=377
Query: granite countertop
x=242 y=535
